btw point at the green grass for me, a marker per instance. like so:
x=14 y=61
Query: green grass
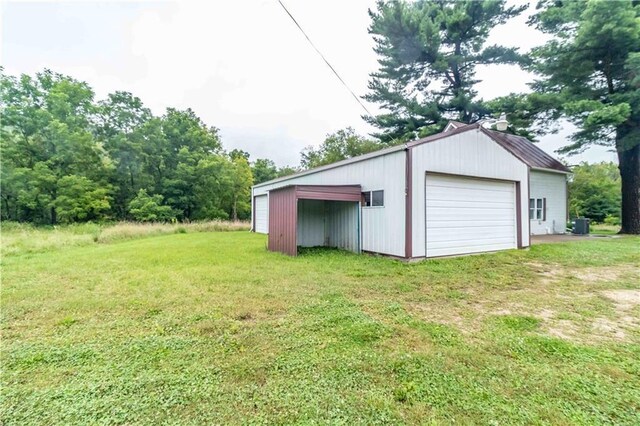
x=210 y=328
x=604 y=229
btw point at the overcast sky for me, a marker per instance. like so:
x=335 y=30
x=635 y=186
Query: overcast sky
x=242 y=66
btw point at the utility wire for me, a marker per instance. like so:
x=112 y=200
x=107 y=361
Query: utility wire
x=324 y=59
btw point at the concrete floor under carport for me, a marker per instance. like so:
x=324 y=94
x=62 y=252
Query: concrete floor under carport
x=314 y=215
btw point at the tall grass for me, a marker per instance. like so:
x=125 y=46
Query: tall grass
x=19 y=238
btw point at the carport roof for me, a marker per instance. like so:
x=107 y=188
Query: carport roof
x=325 y=192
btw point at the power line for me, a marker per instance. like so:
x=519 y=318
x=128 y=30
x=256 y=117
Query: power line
x=324 y=59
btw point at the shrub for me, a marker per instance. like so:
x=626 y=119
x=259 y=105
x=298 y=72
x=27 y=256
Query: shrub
x=149 y=208
x=612 y=220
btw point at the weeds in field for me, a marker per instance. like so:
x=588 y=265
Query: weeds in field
x=18 y=238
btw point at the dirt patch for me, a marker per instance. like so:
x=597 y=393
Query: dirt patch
x=594 y=275
x=563 y=329
x=608 y=328
x=550 y=273
x=624 y=299
x=546 y=314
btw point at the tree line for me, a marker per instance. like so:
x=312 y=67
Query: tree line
x=68 y=158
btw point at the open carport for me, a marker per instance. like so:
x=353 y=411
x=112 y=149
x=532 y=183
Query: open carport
x=314 y=215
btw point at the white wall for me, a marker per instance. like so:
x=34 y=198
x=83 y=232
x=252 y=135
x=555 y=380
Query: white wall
x=553 y=187
x=382 y=228
x=311 y=223
x=471 y=153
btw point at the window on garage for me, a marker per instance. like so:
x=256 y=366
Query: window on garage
x=536 y=208
x=373 y=198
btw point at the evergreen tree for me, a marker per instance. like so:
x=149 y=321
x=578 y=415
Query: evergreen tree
x=428 y=53
x=590 y=74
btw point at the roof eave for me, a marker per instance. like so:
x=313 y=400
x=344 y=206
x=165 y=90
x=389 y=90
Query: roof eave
x=352 y=160
x=544 y=169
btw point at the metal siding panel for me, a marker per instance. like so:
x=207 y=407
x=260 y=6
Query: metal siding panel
x=282 y=221
x=553 y=187
x=470 y=153
x=311 y=223
x=342 y=225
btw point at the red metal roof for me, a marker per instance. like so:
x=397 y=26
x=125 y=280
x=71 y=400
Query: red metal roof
x=325 y=192
x=526 y=151
x=521 y=147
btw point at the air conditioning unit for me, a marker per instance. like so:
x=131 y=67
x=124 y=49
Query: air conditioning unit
x=581 y=226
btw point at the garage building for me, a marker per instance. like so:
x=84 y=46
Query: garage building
x=465 y=190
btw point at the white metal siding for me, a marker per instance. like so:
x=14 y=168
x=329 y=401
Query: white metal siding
x=342 y=225
x=471 y=154
x=328 y=223
x=382 y=228
x=553 y=187
x=467 y=215
x=262 y=214
x=311 y=226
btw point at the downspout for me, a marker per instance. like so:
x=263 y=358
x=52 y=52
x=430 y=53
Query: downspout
x=528 y=220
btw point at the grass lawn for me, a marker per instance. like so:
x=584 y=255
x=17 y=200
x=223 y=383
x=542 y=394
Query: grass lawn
x=210 y=328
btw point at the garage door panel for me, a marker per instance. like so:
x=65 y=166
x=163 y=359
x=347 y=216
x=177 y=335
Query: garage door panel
x=469 y=215
x=453 y=251
x=463 y=243
x=445 y=234
x=262 y=214
x=466 y=203
x=465 y=182
x=463 y=223
x=463 y=194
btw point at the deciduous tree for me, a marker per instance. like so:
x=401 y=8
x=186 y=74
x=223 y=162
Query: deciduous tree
x=594 y=191
x=338 y=146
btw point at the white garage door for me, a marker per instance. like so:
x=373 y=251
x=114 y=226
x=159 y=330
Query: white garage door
x=262 y=214
x=467 y=215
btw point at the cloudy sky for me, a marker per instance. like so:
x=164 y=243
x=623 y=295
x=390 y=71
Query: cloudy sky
x=242 y=66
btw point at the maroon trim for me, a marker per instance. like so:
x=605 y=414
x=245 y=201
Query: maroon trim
x=283 y=221
x=518 y=215
x=330 y=189
x=408 y=206
x=528 y=203
x=311 y=195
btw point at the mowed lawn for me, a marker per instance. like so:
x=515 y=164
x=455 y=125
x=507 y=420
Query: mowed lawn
x=210 y=328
